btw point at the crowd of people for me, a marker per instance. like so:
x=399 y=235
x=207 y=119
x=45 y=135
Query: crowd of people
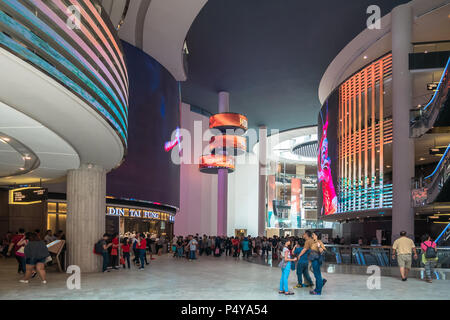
x=294 y=253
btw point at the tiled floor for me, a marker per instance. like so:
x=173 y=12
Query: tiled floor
x=208 y=278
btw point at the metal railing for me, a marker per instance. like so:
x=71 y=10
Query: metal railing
x=377 y=255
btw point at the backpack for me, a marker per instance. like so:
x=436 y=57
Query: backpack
x=430 y=253
x=98 y=247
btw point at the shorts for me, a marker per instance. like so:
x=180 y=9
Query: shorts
x=404 y=260
x=34 y=261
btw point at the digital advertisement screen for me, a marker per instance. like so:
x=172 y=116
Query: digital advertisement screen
x=223 y=121
x=327 y=174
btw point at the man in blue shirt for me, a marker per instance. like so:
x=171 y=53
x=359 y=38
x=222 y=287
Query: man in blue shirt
x=302 y=265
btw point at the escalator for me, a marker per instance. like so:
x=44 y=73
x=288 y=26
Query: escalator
x=437 y=184
x=436 y=112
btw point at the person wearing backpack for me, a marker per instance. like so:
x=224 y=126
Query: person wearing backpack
x=429 y=256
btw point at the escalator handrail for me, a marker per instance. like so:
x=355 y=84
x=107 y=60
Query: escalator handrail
x=439 y=85
x=440 y=163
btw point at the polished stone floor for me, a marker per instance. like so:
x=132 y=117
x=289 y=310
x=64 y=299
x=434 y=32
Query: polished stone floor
x=208 y=278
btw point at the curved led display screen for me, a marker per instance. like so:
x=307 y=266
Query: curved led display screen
x=212 y=163
x=228 y=120
x=355 y=130
x=71 y=42
x=233 y=145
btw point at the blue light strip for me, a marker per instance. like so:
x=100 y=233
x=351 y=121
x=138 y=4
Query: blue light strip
x=42 y=26
x=442 y=233
x=439 y=85
x=439 y=164
x=30 y=56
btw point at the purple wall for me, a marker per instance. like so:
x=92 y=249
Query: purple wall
x=147 y=172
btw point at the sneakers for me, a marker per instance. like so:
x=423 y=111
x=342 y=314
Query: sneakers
x=23 y=281
x=314 y=293
x=106 y=271
x=298 y=286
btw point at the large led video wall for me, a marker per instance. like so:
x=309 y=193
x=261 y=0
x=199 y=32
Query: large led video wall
x=354 y=130
x=148 y=172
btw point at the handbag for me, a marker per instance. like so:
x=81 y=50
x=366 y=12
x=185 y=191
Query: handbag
x=122 y=260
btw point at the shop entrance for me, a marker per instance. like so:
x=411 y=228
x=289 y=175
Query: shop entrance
x=240 y=232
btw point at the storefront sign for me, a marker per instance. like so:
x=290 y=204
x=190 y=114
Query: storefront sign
x=28 y=195
x=139 y=213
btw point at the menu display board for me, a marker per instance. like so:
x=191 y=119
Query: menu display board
x=28 y=195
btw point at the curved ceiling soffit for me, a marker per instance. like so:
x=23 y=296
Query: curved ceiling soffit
x=157 y=27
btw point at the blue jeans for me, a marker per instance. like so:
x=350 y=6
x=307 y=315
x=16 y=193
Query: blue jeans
x=105 y=255
x=192 y=254
x=318 y=275
x=142 y=257
x=126 y=257
x=302 y=270
x=22 y=264
x=284 y=277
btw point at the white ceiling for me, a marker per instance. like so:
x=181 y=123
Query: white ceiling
x=56 y=155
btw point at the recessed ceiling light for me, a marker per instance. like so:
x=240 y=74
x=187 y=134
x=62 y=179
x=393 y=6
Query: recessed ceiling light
x=21 y=169
x=365 y=57
x=426 y=51
x=421 y=158
x=26 y=158
x=5 y=139
x=388 y=166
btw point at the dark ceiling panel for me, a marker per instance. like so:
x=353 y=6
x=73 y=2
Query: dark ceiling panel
x=270 y=55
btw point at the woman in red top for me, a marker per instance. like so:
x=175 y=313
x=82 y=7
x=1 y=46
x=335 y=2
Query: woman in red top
x=126 y=252
x=18 y=243
x=141 y=246
x=115 y=251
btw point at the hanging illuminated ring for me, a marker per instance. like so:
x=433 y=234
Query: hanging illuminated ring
x=213 y=162
x=229 y=121
x=227 y=144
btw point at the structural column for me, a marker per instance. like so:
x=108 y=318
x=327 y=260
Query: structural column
x=86 y=208
x=403 y=146
x=262 y=190
x=222 y=178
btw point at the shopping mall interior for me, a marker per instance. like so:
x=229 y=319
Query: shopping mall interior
x=156 y=122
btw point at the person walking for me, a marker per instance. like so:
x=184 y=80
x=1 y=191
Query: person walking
x=17 y=244
x=403 y=247
x=105 y=254
x=285 y=266
x=429 y=256
x=302 y=266
x=36 y=253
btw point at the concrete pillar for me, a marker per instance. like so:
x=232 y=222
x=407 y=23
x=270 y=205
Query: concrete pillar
x=403 y=146
x=222 y=179
x=262 y=190
x=86 y=206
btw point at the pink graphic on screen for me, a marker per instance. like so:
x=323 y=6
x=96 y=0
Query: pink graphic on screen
x=329 y=205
